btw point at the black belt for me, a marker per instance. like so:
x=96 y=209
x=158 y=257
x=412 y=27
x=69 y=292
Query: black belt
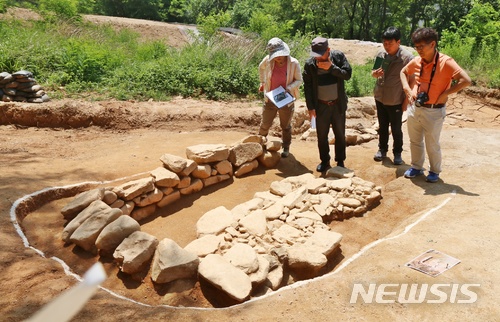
x=329 y=103
x=432 y=105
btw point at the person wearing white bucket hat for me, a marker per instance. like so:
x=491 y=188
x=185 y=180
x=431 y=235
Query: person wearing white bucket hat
x=277 y=69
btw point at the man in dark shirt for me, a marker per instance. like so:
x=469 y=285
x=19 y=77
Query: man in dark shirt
x=389 y=94
x=324 y=76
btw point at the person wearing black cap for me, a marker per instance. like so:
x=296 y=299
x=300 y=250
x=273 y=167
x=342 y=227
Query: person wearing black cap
x=324 y=78
x=277 y=69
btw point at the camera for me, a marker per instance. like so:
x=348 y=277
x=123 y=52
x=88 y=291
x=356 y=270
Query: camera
x=422 y=97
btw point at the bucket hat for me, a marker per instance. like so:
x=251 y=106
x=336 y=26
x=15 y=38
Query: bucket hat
x=276 y=48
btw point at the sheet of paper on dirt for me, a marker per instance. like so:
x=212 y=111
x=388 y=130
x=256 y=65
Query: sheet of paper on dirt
x=280 y=97
x=432 y=262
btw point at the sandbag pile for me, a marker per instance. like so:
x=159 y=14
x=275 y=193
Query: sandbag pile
x=21 y=87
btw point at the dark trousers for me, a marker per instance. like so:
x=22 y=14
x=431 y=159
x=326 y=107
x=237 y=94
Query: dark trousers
x=390 y=115
x=333 y=115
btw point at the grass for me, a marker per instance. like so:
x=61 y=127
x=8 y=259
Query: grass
x=72 y=58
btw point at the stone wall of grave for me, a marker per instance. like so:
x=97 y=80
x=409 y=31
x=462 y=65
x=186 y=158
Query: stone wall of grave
x=256 y=247
x=21 y=87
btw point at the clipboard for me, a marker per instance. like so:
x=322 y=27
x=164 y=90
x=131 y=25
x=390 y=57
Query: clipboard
x=280 y=97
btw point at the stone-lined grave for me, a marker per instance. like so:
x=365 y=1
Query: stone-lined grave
x=21 y=87
x=246 y=251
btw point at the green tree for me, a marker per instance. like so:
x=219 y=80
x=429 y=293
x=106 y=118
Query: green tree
x=63 y=8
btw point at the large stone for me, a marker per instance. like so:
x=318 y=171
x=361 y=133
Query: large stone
x=214 y=221
x=110 y=197
x=81 y=201
x=202 y=171
x=260 y=275
x=305 y=257
x=242 y=256
x=224 y=276
x=207 y=153
x=170 y=198
x=294 y=197
x=269 y=159
x=286 y=233
x=195 y=186
x=86 y=234
x=350 y=202
x=148 y=198
x=273 y=145
x=274 y=278
x=244 y=152
x=215 y=179
x=190 y=166
x=204 y=245
x=164 y=177
x=130 y=190
x=324 y=240
x=246 y=168
x=314 y=185
x=274 y=211
x=281 y=188
x=255 y=223
x=339 y=172
x=173 y=162
x=114 y=233
x=171 y=262
x=140 y=213
x=95 y=207
x=224 y=167
x=254 y=138
x=135 y=251
x=243 y=209
x=338 y=184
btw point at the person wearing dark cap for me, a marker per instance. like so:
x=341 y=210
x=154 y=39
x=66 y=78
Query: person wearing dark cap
x=324 y=75
x=277 y=69
x=389 y=94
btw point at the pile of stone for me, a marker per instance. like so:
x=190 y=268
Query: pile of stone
x=258 y=246
x=21 y=87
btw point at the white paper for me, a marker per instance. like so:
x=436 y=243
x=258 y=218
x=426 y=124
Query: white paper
x=280 y=97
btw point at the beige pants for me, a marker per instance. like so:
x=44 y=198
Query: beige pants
x=285 y=113
x=424 y=130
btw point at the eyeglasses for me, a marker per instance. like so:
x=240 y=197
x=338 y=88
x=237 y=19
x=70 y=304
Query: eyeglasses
x=420 y=47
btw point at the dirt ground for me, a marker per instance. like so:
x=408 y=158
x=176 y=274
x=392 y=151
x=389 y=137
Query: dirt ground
x=69 y=142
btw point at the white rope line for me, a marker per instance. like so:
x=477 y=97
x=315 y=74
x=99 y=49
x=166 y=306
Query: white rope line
x=69 y=272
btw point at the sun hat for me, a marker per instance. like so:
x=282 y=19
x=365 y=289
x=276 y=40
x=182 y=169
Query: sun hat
x=276 y=48
x=319 y=45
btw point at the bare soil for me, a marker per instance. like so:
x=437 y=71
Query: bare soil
x=70 y=141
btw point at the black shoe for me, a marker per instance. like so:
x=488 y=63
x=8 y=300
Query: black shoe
x=340 y=164
x=285 y=153
x=379 y=155
x=322 y=167
x=398 y=159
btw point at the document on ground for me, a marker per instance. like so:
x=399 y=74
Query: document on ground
x=432 y=262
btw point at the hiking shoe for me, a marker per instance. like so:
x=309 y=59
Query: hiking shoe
x=285 y=153
x=322 y=167
x=379 y=155
x=432 y=177
x=398 y=159
x=412 y=173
